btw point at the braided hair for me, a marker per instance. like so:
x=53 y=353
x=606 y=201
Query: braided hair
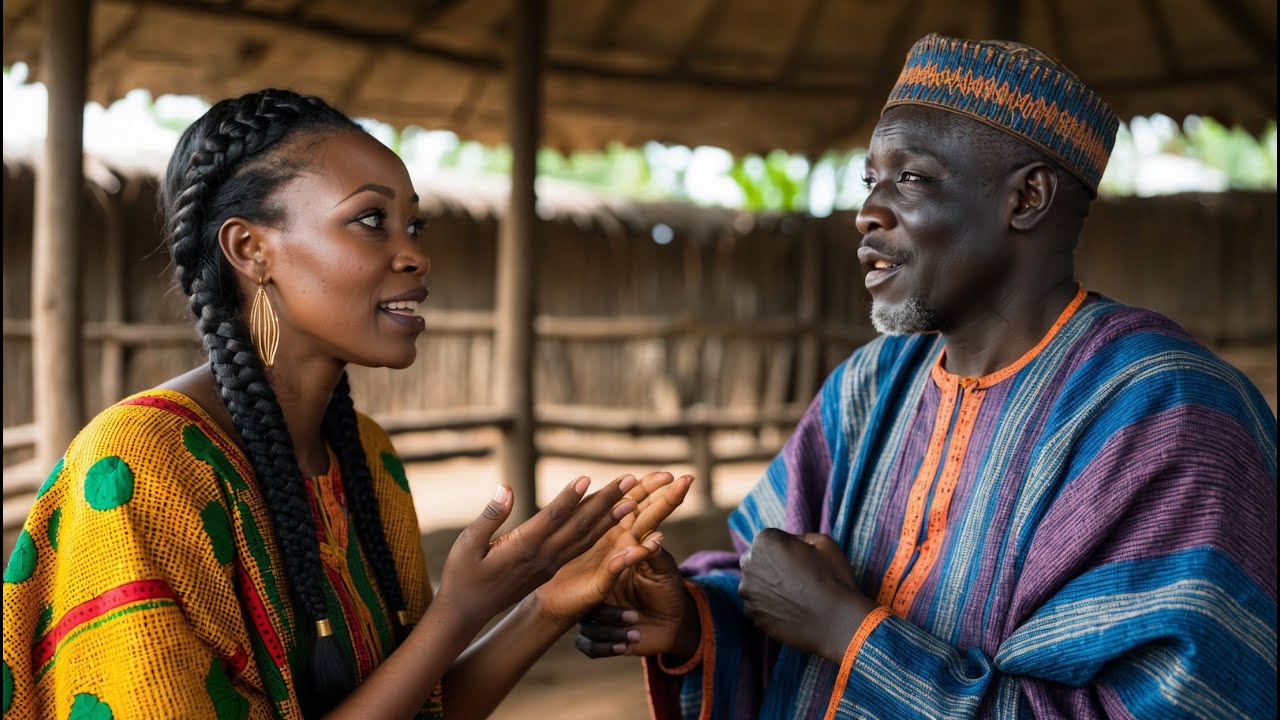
x=231 y=162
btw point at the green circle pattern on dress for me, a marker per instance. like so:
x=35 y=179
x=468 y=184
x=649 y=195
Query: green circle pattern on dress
x=108 y=484
x=396 y=469
x=53 y=478
x=8 y=687
x=218 y=528
x=22 y=562
x=87 y=706
x=228 y=703
x=43 y=619
x=55 y=521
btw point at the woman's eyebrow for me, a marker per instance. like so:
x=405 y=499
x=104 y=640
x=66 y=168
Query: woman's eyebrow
x=380 y=189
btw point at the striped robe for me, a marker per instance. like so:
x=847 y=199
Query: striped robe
x=1090 y=532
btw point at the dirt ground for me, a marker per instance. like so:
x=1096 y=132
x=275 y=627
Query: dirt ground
x=565 y=685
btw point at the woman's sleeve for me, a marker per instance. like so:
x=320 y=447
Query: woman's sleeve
x=119 y=596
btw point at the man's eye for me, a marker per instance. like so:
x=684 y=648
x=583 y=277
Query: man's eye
x=868 y=182
x=911 y=177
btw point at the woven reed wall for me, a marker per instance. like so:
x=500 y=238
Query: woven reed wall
x=1209 y=261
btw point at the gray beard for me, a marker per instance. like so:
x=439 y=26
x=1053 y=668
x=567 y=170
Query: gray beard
x=905 y=318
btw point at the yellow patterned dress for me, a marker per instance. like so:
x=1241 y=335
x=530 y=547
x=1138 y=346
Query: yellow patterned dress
x=147 y=584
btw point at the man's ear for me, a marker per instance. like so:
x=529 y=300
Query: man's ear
x=1034 y=188
x=243 y=244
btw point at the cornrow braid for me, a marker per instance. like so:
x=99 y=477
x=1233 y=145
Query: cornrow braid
x=343 y=434
x=230 y=163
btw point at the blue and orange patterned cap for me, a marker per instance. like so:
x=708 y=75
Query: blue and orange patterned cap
x=1017 y=89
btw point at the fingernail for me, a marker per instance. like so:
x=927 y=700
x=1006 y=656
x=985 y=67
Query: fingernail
x=627 y=483
x=633 y=636
x=502 y=494
x=630 y=617
x=619 y=648
x=581 y=485
x=621 y=509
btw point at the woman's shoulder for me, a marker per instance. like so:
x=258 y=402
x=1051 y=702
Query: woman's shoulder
x=380 y=453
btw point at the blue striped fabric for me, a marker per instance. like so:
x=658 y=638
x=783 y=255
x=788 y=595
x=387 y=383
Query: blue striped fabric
x=1110 y=548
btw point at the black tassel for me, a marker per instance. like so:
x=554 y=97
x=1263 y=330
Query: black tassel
x=332 y=676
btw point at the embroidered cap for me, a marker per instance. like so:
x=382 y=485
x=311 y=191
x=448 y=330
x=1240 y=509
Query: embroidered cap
x=1017 y=89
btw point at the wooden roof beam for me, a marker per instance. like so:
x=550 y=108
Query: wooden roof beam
x=1163 y=37
x=885 y=76
x=707 y=14
x=795 y=51
x=1249 y=28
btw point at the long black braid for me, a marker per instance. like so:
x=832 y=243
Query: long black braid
x=229 y=163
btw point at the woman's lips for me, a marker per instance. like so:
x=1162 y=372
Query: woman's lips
x=405 y=319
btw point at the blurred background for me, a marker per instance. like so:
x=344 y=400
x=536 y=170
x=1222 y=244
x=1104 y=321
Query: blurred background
x=670 y=186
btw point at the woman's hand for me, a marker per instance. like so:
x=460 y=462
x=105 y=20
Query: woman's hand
x=480 y=578
x=587 y=580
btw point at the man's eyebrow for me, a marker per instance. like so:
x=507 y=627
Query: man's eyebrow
x=380 y=189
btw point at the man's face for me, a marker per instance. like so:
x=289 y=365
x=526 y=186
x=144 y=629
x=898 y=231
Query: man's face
x=934 y=226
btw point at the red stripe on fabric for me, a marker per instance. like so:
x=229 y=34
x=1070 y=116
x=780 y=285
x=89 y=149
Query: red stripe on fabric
x=350 y=615
x=214 y=432
x=258 y=611
x=237 y=662
x=100 y=605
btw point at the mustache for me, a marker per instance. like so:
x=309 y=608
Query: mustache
x=898 y=256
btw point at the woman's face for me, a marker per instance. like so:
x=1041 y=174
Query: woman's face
x=347 y=267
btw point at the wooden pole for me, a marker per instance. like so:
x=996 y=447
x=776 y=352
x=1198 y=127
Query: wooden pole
x=513 y=341
x=55 y=310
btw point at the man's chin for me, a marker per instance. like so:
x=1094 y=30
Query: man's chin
x=902 y=318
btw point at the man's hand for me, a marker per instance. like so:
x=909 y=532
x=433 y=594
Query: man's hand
x=649 y=612
x=800 y=591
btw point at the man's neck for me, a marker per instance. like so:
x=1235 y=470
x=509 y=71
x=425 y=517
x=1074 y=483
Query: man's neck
x=997 y=339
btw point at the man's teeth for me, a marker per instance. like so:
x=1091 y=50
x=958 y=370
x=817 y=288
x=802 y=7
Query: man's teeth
x=401 y=305
x=884 y=265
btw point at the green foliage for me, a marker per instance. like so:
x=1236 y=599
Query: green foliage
x=1249 y=163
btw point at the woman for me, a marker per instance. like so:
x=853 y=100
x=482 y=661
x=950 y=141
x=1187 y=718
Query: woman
x=239 y=542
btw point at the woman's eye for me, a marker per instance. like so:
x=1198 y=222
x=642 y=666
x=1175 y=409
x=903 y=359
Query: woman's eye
x=415 y=228
x=373 y=220
x=868 y=182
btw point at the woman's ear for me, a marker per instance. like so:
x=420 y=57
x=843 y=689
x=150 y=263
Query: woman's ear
x=243 y=244
x=1034 y=188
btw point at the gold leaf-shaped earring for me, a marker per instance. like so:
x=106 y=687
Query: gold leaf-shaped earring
x=264 y=326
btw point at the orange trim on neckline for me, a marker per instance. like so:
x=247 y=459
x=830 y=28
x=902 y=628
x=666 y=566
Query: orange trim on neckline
x=942 y=377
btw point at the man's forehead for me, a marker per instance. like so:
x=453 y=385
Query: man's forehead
x=912 y=130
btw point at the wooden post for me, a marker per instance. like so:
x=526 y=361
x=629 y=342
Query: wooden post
x=55 y=309
x=700 y=456
x=513 y=338
x=812 y=247
x=113 y=301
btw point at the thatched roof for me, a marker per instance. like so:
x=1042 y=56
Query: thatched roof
x=748 y=75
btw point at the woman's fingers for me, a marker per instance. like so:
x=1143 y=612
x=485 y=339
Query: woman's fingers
x=592 y=518
x=478 y=533
x=659 y=506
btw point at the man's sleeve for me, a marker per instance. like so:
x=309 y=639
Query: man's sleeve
x=725 y=677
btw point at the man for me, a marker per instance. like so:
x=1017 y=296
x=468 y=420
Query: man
x=1022 y=500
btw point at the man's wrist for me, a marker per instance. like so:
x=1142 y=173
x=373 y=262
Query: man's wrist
x=689 y=632
x=851 y=610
